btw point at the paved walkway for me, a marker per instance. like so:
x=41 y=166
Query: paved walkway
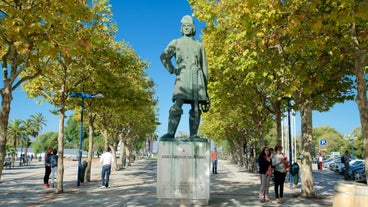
x=136 y=186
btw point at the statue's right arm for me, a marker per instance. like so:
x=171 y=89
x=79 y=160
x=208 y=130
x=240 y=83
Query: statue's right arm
x=166 y=56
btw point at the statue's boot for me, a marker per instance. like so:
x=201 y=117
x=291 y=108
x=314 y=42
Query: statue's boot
x=174 y=119
x=194 y=123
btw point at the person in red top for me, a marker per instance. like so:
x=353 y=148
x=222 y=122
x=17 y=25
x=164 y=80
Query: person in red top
x=214 y=161
x=47 y=168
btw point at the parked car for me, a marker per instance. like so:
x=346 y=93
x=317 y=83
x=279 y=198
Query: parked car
x=340 y=167
x=352 y=163
x=326 y=163
x=357 y=166
x=334 y=165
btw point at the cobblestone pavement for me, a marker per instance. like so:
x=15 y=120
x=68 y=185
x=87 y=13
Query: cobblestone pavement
x=136 y=186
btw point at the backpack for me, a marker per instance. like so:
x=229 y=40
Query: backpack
x=53 y=160
x=342 y=159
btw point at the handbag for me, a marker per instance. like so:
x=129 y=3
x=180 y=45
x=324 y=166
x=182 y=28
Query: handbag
x=287 y=166
x=269 y=171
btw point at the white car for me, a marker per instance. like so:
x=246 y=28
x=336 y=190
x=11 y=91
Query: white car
x=339 y=167
x=326 y=163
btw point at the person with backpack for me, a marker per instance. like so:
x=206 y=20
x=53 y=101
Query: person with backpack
x=346 y=159
x=47 y=168
x=53 y=161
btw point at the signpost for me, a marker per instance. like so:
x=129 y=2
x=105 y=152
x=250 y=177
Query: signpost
x=322 y=142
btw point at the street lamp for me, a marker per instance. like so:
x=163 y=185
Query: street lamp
x=83 y=96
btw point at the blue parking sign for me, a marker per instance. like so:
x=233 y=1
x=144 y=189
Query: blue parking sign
x=323 y=142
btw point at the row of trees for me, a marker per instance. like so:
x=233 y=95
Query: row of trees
x=21 y=131
x=56 y=48
x=265 y=56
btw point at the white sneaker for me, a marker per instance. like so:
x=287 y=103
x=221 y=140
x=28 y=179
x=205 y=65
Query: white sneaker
x=102 y=187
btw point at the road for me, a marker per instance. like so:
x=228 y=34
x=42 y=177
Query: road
x=136 y=186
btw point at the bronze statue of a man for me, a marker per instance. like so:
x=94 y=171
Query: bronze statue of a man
x=191 y=77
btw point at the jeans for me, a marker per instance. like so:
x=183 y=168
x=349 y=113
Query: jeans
x=214 y=166
x=105 y=175
x=53 y=174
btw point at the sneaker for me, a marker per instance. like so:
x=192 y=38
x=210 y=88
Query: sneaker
x=279 y=200
x=46 y=185
x=102 y=187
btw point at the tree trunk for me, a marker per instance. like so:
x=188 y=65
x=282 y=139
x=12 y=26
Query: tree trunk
x=122 y=153
x=307 y=147
x=90 y=146
x=240 y=152
x=60 y=173
x=129 y=155
x=105 y=135
x=361 y=100
x=114 y=150
x=26 y=148
x=6 y=97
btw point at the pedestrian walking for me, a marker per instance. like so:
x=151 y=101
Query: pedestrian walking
x=214 y=160
x=265 y=171
x=106 y=161
x=53 y=160
x=47 y=168
x=346 y=160
x=278 y=163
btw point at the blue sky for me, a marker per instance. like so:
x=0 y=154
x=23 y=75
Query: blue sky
x=148 y=26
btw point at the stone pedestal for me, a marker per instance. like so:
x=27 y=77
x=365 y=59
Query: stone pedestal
x=183 y=172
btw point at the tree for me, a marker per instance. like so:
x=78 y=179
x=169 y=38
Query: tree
x=23 y=27
x=38 y=121
x=82 y=26
x=29 y=128
x=279 y=50
x=15 y=132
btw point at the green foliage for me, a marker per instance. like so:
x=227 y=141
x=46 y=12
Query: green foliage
x=72 y=133
x=44 y=141
x=335 y=141
x=261 y=51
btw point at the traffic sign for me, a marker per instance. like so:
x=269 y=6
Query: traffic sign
x=323 y=142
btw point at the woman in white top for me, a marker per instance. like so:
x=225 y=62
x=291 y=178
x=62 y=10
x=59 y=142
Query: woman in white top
x=279 y=172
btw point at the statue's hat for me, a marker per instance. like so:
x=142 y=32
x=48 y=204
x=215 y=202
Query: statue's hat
x=187 y=20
